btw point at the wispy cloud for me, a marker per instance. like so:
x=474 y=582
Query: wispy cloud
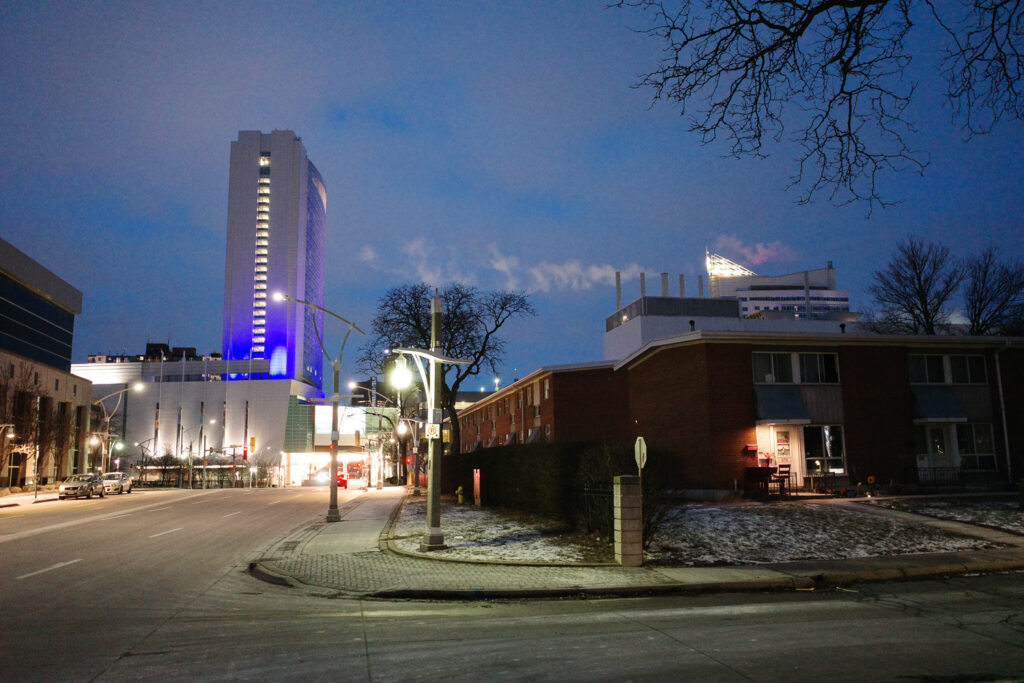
x=753 y=255
x=368 y=254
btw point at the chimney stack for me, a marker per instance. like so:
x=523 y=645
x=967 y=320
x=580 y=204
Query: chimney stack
x=682 y=287
x=618 y=291
x=643 y=285
x=664 y=284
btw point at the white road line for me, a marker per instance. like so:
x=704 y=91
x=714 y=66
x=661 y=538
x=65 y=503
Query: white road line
x=232 y=514
x=48 y=569
x=159 y=509
x=275 y=502
x=170 y=531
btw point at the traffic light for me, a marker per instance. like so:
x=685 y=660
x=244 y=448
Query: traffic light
x=408 y=460
x=245 y=452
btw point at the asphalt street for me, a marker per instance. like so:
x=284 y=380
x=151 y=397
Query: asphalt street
x=155 y=586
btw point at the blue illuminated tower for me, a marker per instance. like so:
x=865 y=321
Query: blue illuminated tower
x=277 y=215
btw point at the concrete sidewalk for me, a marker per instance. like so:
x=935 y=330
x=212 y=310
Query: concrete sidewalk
x=354 y=558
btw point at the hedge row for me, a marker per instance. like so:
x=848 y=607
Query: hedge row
x=568 y=481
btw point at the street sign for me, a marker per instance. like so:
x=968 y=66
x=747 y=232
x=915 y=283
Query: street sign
x=641 y=452
x=433 y=431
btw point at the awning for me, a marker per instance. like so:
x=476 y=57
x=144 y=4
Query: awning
x=780 y=404
x=937 y=404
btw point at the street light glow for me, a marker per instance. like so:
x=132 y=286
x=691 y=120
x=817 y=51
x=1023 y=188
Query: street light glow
x=401 y=376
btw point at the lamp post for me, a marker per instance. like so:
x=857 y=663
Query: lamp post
x=332 y=509
x=394 y=426
x=433 y=539
x=107 y=416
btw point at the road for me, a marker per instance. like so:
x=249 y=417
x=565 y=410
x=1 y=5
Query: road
x=152 y=586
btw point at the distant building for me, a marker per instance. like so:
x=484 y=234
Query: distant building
x=807 y=295
x=740 y=300
x=43 y=407
x=277 y=217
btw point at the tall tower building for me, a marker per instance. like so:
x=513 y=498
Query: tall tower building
x=277 y=216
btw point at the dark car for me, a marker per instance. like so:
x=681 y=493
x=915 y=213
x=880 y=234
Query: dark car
x=79 y=485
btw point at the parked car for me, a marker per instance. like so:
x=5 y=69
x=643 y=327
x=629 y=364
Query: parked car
x=78 y=485
x=342 y=479
x=117 y=482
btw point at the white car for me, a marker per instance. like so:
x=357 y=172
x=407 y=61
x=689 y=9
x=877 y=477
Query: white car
x=117 y=482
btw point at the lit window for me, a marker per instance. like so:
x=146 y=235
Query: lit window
x=258 y=349
x=265 y=159
x=260 y=285
x=261 y=259
x=260 y=304
x=261 y=252
x=264 y=189
x=261 y=242
x=259 y=340
x=260 y=278
x=261 y=295
x=261 y=269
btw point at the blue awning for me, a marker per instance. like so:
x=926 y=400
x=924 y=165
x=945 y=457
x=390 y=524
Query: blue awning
x=937 y=404
x=780 y=404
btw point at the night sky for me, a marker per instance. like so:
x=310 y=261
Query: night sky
x=498 y=144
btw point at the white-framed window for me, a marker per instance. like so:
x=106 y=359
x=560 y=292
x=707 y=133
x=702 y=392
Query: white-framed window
x=547 y=389
x=976 y=446
x=967 y=369
x=824 y=452
x=773 y=368
x=926 y=369
x=819 y=368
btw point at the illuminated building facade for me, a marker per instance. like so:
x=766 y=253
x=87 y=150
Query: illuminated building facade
x=276 y=224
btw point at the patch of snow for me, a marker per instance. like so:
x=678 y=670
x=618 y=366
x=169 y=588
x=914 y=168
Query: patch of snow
x=692 y=535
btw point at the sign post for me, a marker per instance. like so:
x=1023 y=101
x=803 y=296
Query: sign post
x=640 y=449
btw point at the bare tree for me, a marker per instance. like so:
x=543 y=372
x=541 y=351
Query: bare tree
x=469 y=330
x=993 y=294
x=915 y=289
x=833 y=71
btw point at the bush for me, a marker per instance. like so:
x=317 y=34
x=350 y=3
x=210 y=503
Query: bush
x=572 y=482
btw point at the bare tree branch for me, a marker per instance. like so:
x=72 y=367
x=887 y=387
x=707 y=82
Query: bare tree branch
x=993 y=294
x=832 y=72
x=915 y=289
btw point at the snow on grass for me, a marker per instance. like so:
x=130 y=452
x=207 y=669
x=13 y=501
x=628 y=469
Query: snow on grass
x=703 y=535
x=997 y=512
x=482 y=534
x=692 y=535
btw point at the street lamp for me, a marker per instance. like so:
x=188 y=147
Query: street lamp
x=107 y=416
x=332 y=509
x=433 y=539
x=380 y=416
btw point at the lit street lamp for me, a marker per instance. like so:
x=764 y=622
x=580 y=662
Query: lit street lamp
x=401 y=378
x=332 y=509
x=107 y=416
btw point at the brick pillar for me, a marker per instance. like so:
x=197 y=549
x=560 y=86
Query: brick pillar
x=629 y=521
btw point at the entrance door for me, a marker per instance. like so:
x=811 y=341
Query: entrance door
x=934 y=455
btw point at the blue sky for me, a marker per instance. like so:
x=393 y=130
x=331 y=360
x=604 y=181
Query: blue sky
x=499 y=144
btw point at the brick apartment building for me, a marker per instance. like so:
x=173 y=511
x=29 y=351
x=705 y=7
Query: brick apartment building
x=839 y=409
x=581 y=402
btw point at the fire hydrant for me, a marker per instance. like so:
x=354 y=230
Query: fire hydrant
x=458 y=495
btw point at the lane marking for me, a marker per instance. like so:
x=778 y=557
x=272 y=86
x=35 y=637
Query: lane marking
x=159 y=509
x=171 y=531
x=48 y=569
x=232 y=514
x=276 y=502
